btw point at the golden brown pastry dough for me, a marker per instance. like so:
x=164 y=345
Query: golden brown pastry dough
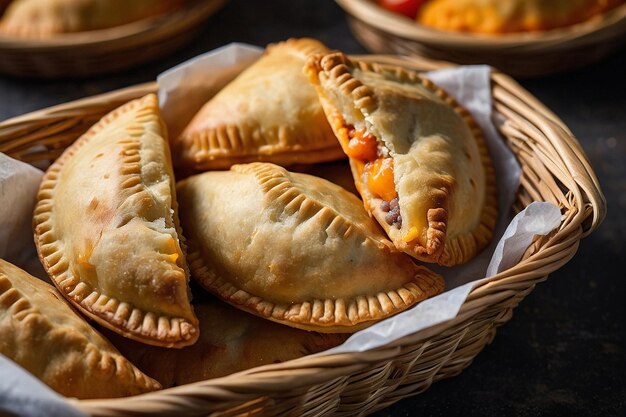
x=295 y=249
x=41 y=333
x=43 y=18
x=337 y=172
x=268 y=113
x=498 y=16
x=410 y=143
x=106 y=228
x=230 y=341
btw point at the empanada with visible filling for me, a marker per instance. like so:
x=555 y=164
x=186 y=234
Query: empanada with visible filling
x=44 y=18
x=295 y=249
x=498 y=16
x=230 y=341
x=268 y=113
x=41 y=333
x=419 y=160
x=106 y=228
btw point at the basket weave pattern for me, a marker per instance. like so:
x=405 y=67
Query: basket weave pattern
x=105 y=50
x=519 y=54
x=554 y=168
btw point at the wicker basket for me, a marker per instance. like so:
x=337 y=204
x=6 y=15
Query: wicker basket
x=555 y=169
x=106 y=50
x=523 y=55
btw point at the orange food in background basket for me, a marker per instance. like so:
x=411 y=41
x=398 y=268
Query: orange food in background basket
x=496 y=16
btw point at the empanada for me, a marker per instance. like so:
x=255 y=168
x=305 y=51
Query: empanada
x=44 y=18
x=41 y=333
x=230 y=341
x=419 y=160
x=337 y=172
x=295 y=249
x=268 y=113
x=106 y=228
x=498 y=16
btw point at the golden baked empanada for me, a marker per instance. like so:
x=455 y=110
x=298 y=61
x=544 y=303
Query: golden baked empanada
x=295 y=249
x=268 y=113
x=41 y=333
x=43 y=18
x=106 y=228
x=419 y=160
x=498 y=16
x=337 y=172
x=230 y=341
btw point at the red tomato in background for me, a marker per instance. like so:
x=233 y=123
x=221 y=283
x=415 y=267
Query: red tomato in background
x=407 y=8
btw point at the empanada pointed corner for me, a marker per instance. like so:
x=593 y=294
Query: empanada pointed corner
x=41 y=333
x=268 y=113
x=419 y=159
x=331 y=269
x=107 y=231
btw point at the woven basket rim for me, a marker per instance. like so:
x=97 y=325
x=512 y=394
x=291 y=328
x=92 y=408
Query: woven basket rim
x=401 y=26
x=191 y=12
x=586 y=213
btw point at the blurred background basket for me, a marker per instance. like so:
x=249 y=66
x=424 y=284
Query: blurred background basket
x=518 y=54
x=108 y=50
x=554 y=169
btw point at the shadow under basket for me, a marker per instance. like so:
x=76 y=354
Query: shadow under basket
x=554 y=169
x=531 y=54
x=85 y=54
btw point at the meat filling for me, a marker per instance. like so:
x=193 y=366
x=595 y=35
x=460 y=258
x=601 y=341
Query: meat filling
x=392 y=208
x=378 y=171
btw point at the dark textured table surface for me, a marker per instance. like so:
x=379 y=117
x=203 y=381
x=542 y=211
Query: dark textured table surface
x=563 y=351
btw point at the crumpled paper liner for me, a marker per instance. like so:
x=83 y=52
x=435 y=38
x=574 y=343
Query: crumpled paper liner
x=182 y=91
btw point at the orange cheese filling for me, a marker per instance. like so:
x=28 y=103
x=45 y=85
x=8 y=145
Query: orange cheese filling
x=380 y=178
x=362 y=145
x=379 y=169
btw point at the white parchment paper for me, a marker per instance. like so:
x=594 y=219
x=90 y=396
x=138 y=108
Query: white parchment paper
x=19 y=183
x=182 y=91
x=24 y=395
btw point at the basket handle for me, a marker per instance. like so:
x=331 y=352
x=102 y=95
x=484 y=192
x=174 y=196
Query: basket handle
x=528 y=113
x=592 y=197
x=55 y=128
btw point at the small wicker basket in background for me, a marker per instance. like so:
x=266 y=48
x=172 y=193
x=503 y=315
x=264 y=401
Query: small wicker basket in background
x=108 y=50
x=517 y=54
x=554 y=169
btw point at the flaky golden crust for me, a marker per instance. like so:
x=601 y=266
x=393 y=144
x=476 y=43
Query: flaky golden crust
x=337 y=172
x=330 y=268
x=106 y=228
x=230 y=341
x=497 y=16
x=44 y=19
x=41 y=333
x=268 y=113
x=442 y=169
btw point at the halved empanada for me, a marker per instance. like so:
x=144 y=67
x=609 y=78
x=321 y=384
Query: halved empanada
x=106 y=228
x=419 y=160
x=268 y=113
x=295 y=249
x=230 y=341
x=43 y=18
x=41 y=333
